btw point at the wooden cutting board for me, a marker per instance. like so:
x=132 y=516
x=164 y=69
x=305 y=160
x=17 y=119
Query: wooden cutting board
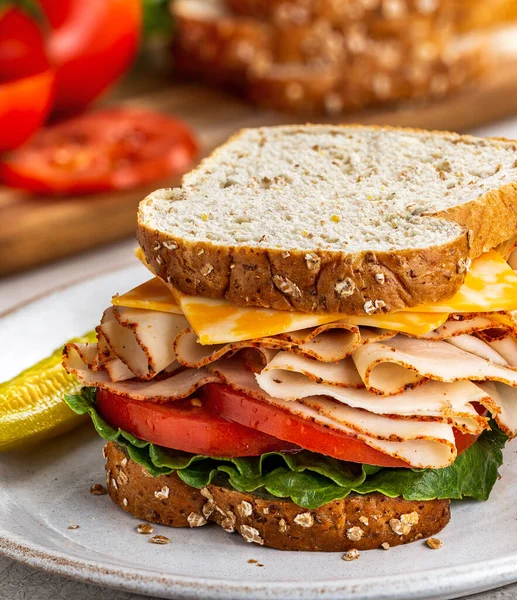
x=35 y=230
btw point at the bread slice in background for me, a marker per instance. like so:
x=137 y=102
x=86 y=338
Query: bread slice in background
x=313 y=66
x=360 y=522
x=343 y=12
x=465 y=14
x=322 y=218
x=390 y=74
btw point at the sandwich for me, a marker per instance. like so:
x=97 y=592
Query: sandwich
x=325 y=354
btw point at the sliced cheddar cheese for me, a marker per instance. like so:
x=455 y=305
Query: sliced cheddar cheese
x=218 y=321
x=413 y=323
x=490 y=286
x=151 y=295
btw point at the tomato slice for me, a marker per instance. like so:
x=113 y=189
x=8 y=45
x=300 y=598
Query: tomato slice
x=183 y=426
x=270 y=419
x=24 y=106
x=91 y=43
x=113 y=149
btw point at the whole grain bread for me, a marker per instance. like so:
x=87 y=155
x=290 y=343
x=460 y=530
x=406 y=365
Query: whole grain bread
x=465 y=14
x=360 y=522
x=213 y=45
x=204 y=24
x=322 y=218
x=380 y=78
x=315 y=67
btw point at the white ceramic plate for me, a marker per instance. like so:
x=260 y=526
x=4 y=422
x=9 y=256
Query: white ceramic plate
x=44 y=491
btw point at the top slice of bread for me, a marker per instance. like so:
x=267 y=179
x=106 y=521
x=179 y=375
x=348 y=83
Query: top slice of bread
x=322 y=218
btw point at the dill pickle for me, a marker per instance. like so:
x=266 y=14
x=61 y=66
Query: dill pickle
x=31 y=404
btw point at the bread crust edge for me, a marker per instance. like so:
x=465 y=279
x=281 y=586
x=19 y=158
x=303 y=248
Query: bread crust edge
x=286 y=280
x=278 y=524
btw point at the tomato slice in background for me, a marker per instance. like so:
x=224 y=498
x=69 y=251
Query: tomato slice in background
x=112 y=149
x=270 y=419
x=91 y=43
x=183 y=426
x=26 y=80
x=24 y=106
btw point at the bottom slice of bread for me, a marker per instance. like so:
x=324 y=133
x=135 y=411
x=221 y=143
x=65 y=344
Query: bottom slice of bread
x=360 y=522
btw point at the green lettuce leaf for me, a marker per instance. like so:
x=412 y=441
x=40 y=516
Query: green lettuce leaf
x=472 y=475
x=309 y=479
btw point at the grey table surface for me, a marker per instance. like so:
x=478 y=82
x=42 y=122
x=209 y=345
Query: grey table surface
x=19 y=582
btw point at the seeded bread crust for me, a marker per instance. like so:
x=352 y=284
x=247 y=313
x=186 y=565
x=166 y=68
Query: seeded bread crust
x=342 y=12
x=312 y=91
x=235 y=38
x=313 y=68
x=219 y=50
x=252 y=276
x=346 y=283
x=466 y=14
x=360 y=522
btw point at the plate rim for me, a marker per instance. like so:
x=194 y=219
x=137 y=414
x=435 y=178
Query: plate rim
x=447 y=581
x=61 y=288
x=450 y=582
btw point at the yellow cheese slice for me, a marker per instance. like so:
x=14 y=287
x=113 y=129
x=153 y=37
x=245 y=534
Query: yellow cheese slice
x=490 y=286
x=151 y=295
x=413 y=323
x=218 y=321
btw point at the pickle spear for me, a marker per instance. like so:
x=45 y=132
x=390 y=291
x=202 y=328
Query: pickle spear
x=31 y=404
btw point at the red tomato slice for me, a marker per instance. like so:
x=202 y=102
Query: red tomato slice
x=183 y=426
x=113 y=149
x=24 y=106
x=91 y=44
x=264 y=417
